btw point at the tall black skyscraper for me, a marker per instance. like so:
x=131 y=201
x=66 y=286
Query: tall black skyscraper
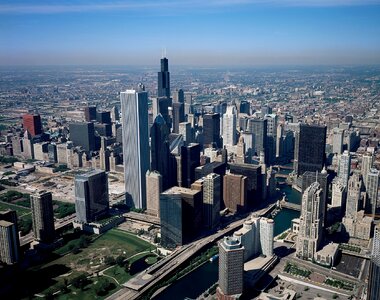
x=164 y=79
x=258 y=127
x=178 y=115
x=83 y=134
x=161 y=158
x=309 y=152
x=211 y=130
x=190 y=159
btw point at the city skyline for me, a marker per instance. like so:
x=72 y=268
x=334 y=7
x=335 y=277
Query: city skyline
x=247 y=32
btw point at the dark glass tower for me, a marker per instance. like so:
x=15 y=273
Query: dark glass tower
x=164 y=79
x=309 y=154
x=211 y=130
x=190 y=159
x=178 y=115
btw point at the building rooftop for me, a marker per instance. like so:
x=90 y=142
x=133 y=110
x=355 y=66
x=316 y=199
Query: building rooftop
x=5 y=223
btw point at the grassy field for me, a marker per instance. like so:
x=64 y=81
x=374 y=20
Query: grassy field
x=90 y=260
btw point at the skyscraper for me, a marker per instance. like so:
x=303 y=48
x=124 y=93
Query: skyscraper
x=83 y=134
x=310 y=233
x=134 y=108
x=229 y=126
x=43 y=216
x=153 y=191
x=374 y=276
x=211 y=130
x=372 y=189
x=271 y=137
x=178 y=115
x=258 y=128
x=338 y=140
x=185 y=131
x=266 y=236
x=161 y=106
x=353 y=196
x=9 y=243
x=235 y=192
x=211 y=200
x=309 y=154
x=164 y=79
x=190 y=159
x=90 y=113
x=231 y=267
x=367 y=161
x=91 y=196
x=338 y=194
x=32 y=123
x=161 y=158
x=179 y=96
x=344 y=167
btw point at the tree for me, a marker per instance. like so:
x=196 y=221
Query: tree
x=120 y=260
x=103 y=286
x=109 y=260
x=80 y=282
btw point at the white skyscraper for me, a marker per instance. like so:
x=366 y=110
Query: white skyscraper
x=338 y=194
x=372 y=189
x=229 y=126
x=134 y=108
x=367 y=161
x=344 y=167
x=338 y=140
x=266 y=236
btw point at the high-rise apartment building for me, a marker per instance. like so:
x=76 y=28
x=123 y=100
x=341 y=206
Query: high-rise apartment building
x=153 y=191
x=231 y=266
x=266 y=236
x=310 y=233
x=42 y=216
x=211 y=200
x=134 y=109
x=91 y=196
x=9 y=242
x=310 y=143
x=32 y=123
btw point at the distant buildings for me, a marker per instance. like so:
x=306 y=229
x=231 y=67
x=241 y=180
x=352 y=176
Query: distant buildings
x=310 y=146
x=43 y=216
x=231 y=261
x=310 y=229
x=134 y=109
x=91 y=196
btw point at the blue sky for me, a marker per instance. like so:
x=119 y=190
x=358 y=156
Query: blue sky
x=194 y=32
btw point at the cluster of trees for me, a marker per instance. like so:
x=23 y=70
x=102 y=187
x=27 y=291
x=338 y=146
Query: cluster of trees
x=83 y=242
x=10 y=196
x=295 y=270
x=24 y=225
x=119 y=260
x=63 y=209
x=103 y=286
x=8 y=159
x=339 y=284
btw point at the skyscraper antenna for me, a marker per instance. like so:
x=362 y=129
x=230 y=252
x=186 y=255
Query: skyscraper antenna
x=165 y=52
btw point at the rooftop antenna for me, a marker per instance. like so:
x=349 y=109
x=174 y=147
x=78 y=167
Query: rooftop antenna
x=165 y=52
x=316 y=176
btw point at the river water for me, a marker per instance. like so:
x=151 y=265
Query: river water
x=194 y=284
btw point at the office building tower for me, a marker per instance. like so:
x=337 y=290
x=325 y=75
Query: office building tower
x=42 y=216
x=310 y=233
x=374 y=276
x=309 y=154
x=180 y=215
x=229 y=126
x=235 y=192
x=9 y=242
x=211 y=200
x=164 y=79
x=344 y=167
x=211 y=131
x=91 y=196
x=353 y=196
x=179 y=96
x=372 y=189
x=255 y=181
x=190 y=159
x=153 y=191
x=83 y=135
x=309 y=178
x=258 y=128
x=266 y=236
x=103 y=117
x=338 y=135
x=338 y=194
x=271 y=137
x=243 y=107
x=52 y=153
x=178 y=115
x=186 y=132
x=231 y=267
x=240 y=151
x=115 y=114
x=134 y=109
x=161 y=106
x=161 y=157
x=32 y=124
x=90 y=113
x=367 y=161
